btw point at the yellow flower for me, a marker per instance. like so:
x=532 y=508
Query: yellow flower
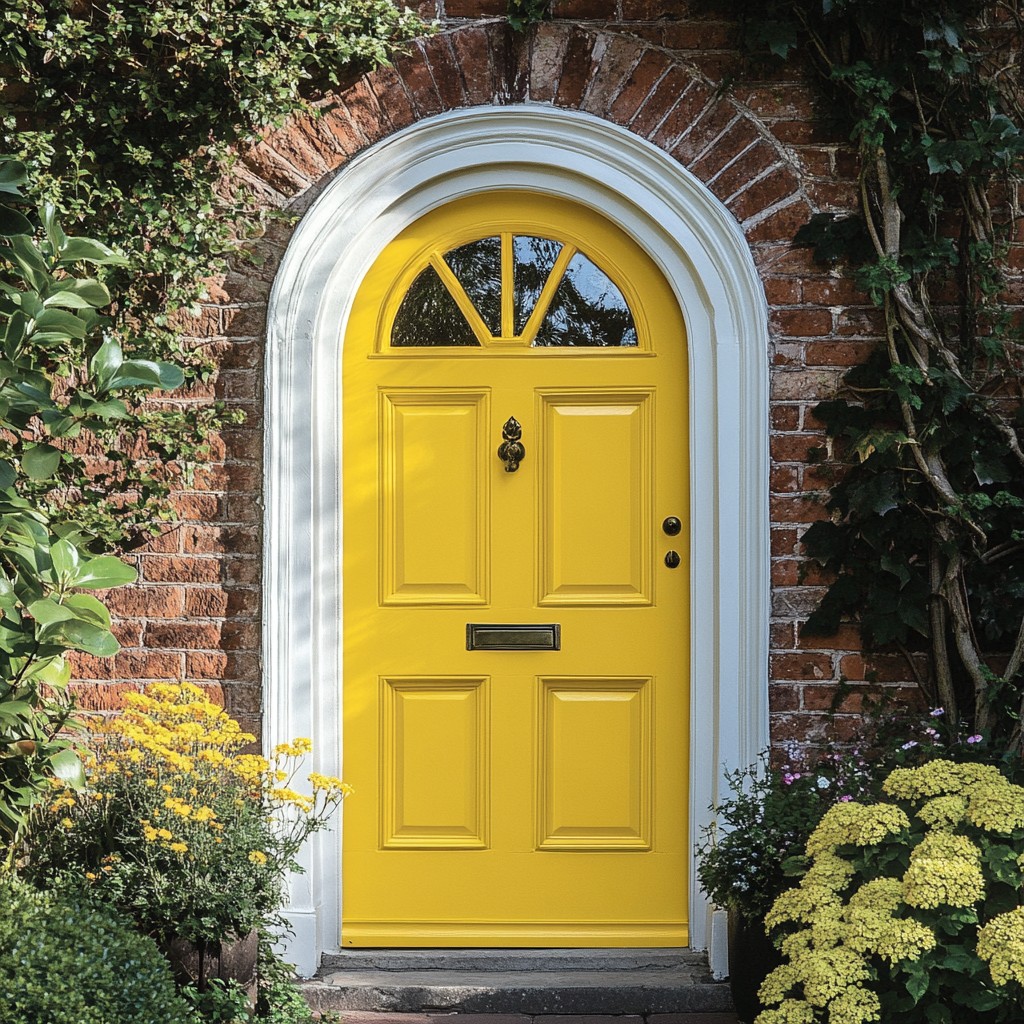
x=791 y=1011
x=1001 y=943
x=854 y=1006
x=938 y=778
x=257 y=857
x=943 y=812
x=854 y=824
x=997 y=807
x=67 y=822
x=944 y=869
x=178 y=847
x=91 y=876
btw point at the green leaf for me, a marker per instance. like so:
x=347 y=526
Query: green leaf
x=55 y=672
x=8 y=474
x=8 y=599
x=103 y=572
x=146 y=373
x=84 y=636
x=106 y=362
x=89 y=609
x=91 y=251
x=12 y=709
x=54 y=233
x=40 y=461
x=52 y=319
x=66 y=765
x=91 y=295
x=48 y=612
x=13 y=223
x=65 y=558
x=12 y=174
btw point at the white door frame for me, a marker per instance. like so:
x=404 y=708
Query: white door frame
x=701 y=250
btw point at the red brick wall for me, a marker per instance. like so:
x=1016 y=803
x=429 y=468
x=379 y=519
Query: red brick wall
x=644 y=64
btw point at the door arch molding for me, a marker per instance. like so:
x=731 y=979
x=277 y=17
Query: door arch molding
x=701 y=250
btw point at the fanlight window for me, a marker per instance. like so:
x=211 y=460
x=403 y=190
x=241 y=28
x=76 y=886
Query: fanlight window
x=513 y=290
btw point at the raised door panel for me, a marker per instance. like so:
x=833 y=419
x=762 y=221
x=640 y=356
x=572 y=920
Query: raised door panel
x=595 y=497
x=596 y=755
x=434 y=497
x=435 y=763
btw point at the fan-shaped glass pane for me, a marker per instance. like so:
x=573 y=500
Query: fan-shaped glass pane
x=587 y=310
x=429 y=315
x=533 y=259
x=477 y=265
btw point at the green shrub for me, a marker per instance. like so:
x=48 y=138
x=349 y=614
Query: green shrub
x=63 y=959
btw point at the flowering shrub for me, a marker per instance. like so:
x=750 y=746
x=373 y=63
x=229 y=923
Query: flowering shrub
x=910 y=908
x=177 y=826
x=755 y=845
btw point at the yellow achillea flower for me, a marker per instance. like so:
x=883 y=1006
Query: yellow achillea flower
x=828 y=972
x=827 y=870
x=869 y=930
x=944 y=869
x=943 y=812
x=801 y=905
x=938 y=778
x=1001 y=943
x=997 y=807
x=790 y=1011
x=856 y=824
x=178 y=847
x=854 y=1006
x=884 y=894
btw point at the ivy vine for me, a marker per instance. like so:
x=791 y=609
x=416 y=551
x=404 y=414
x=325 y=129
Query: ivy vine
x=926 y=527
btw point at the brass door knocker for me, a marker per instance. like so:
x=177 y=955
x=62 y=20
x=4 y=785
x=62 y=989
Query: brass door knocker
x=511 y=450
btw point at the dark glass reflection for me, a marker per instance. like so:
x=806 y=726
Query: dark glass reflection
x=477 y=265
x=587 y=310
x=428 y=315
x=533 y=259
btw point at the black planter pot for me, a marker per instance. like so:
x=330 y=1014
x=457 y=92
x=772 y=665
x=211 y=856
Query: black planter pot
x=751 y=957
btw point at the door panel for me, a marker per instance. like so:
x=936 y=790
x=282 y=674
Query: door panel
x=515 y=797
x=595 y=497
x=436 y=761
x=432 y=469
x=596 y=764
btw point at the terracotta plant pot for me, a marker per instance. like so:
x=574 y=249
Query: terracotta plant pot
x=229 y=960
x=751 y=957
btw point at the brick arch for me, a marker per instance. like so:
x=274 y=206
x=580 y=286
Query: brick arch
x=639 y=86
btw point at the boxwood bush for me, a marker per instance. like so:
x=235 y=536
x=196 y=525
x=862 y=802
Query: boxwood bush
x=65 y=959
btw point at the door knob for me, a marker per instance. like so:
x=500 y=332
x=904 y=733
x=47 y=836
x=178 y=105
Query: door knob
x=672 y=559
x=672 y=526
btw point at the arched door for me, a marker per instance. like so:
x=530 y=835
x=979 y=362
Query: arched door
x=516 y=622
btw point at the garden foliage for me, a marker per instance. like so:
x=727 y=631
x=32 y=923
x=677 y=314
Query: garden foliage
x=910 y=909
x=65 y=958
x=62 y=380
x=926 y=532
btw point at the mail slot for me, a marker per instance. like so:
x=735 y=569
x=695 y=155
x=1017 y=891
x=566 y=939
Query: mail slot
x=490 y=636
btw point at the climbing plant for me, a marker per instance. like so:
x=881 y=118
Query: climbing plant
x=926 y=526
x=127 y=116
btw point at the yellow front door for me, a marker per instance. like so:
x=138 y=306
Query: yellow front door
x=515 y=692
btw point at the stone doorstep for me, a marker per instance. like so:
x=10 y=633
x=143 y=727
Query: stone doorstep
x=370 y=1017
x=515 y=986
